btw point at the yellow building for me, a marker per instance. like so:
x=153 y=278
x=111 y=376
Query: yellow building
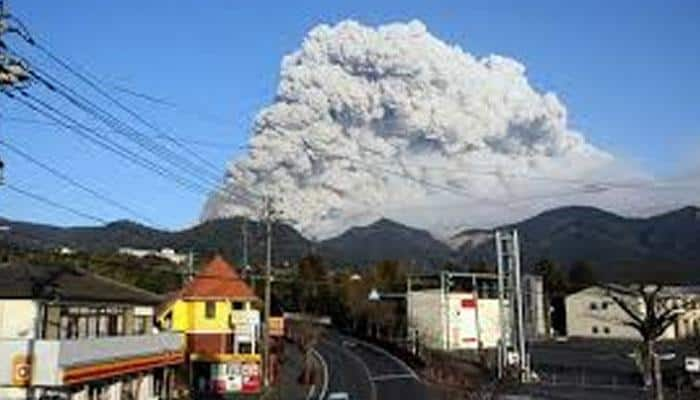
x=216 y=311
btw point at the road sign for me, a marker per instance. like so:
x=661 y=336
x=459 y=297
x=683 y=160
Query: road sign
x=692 y=364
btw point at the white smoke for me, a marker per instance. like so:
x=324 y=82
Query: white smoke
x=391 y=121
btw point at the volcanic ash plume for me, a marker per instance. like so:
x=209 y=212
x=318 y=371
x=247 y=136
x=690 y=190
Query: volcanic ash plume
x=393 y=121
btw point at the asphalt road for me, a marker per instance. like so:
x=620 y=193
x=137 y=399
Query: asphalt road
x=366 y=372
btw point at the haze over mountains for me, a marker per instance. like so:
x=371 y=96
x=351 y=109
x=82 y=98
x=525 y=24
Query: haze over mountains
x=666 y=245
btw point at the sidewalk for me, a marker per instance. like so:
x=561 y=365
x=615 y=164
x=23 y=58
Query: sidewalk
x=289 y=387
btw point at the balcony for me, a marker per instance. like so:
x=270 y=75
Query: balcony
x=61 y=362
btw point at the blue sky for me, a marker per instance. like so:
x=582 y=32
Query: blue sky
x=627 y=73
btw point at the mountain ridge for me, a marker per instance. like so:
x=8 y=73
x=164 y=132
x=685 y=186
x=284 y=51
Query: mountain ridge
x=666 y=244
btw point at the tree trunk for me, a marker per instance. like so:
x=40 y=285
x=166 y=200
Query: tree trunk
x=648 y=364
x=658 y=382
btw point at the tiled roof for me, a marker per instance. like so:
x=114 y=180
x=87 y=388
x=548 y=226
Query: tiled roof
x=50 y=282
x=217 y=280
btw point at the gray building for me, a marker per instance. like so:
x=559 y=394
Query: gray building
x=68 y=334
x=592 y=313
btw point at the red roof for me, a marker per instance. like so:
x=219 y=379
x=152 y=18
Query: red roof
x=217 y=280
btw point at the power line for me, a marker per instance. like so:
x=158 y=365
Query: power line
x=137 y=137
x=75 y=183
x=42 y=199
x=223 y=146
x=121 y=128
x=101 y=140
x=119 y=104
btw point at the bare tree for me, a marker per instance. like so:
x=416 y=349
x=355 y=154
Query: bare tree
x=651 y=310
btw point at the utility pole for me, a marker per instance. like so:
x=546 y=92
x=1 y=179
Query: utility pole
x=13 y=72
x=244 y=229
x=190 y=265
x=268 y=215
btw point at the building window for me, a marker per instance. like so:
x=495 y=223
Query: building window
x=604 y=305
x=606 y=330
x=140 y=324
x=210 y=310
x=594 y=306
x=594 y=330
x=238 y=305
x=245 y=348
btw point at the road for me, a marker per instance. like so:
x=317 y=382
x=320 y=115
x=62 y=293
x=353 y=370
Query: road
x=366 y=372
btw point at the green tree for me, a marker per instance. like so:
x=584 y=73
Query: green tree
x=553 y=277
x=482 y=266
x=581 y=275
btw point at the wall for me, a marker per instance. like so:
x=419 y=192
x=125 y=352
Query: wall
x=607 y=318
x=189 y=316
x=427 y=316
x=17 y=318
x=534 y=306
x=489 y=322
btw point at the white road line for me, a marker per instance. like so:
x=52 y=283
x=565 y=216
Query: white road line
x=357 y=358
x=389 y=377
x=310 y=394
x=326 y=377
x=393 y=357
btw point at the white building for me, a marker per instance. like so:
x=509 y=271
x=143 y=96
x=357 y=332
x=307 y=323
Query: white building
x=165 y=253
x=592 y=313
x=68 y=334
x=469 y=319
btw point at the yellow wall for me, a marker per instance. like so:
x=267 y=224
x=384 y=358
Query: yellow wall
x=189 y=316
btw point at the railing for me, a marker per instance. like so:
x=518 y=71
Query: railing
x=53 y=357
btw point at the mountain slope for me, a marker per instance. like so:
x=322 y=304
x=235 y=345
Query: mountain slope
x=667 y=245
x=220 y=236
x=387 y=240
x=664 y=246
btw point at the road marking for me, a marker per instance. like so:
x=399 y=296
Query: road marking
x=393 y=357
x=324 y=387
x=373 y=387
x=310 y=394
x=389 y=377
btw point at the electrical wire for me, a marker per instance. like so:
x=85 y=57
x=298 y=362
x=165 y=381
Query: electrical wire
x=120 y=105
x=101 y=140
x=44 y=200
x=71 y=181
x=194 y=141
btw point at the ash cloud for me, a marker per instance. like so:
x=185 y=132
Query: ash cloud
x=392 y=121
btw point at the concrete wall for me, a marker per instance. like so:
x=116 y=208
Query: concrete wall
x=429 y=317
x=591 y=313
x=17 y=318
x=534 y=306
x=426 y=316
x=45 y=365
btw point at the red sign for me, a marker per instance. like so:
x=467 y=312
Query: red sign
x=251 y=378
x=468 y=303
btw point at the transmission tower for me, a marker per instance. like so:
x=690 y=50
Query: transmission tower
x=512 y=346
